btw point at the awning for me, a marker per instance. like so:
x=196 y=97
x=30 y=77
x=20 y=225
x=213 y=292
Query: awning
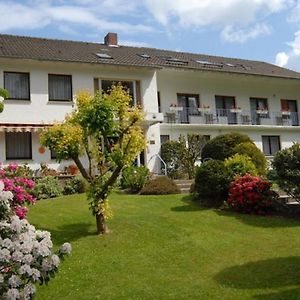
x=21 y=127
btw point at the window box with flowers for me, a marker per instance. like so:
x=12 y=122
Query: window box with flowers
x=236 y=110
x=262 y=111
x=204 y=108
x=285 y=113
x=174 y=107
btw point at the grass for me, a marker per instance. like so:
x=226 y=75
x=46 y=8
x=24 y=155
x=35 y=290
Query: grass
x=166 y=247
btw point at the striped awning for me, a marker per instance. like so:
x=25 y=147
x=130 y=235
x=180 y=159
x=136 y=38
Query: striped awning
x=21 y=127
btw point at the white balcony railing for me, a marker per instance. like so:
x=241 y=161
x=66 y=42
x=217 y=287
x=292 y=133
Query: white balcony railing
x=235 y=116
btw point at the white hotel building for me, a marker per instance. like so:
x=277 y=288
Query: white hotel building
x=180 y=93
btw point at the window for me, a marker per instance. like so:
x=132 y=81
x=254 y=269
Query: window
x=271 y=144
x=158 y=102
x=18 y=145
x=130 y=85
x=259 y=104
x=17 y=85
x=164 y=138
x=60 y=87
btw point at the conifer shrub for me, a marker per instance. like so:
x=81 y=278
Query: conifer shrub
x=286 y=165
x=222 y=146
x=211 y=183
x=255 y=154
x=161 y=185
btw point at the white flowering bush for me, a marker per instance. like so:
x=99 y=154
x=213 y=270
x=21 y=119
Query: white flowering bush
x=26 y=256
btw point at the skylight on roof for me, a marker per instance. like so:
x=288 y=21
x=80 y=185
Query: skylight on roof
x=175 y=61
x=144 y=55
x=209 y=64
x=104 y=55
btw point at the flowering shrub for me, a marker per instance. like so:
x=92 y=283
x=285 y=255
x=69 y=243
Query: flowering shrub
x=21 y=187
x=250 y=194
x=26 y=254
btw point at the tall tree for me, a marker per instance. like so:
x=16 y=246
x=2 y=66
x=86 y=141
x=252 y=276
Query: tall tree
x=3 y=94
x=106 y=131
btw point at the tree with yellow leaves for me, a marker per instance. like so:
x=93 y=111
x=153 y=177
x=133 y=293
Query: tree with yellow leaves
x=106 y=130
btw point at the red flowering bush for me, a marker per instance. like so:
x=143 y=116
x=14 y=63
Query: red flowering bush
x=21 y=187
x=249 y=194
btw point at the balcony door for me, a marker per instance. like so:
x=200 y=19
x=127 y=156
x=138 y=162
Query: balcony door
x=290 y=106
x=223 y=106
x=259 y=110
x=190 y=104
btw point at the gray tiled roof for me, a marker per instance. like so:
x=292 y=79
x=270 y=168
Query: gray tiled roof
x=71 y=51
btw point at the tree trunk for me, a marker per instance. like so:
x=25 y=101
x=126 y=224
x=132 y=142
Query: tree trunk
x=101 y=224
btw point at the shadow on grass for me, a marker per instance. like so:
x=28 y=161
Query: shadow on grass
x=291 y=294
x=190 y=205
x=271 y=221
x=270 y=273
x=70 y=232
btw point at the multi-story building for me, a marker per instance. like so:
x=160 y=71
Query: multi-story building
x=180 y=93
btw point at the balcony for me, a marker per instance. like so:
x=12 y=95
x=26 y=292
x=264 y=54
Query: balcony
x=203 y=116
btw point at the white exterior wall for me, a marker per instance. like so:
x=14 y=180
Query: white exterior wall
x=242 y=87
x=168 y=82
x=39 y=110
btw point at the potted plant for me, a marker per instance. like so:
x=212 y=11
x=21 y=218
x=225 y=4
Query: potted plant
x=174 y=107
x=235 y=109
x=262 y=111
x=285 y=112
x=72 y=169
x=204 y=108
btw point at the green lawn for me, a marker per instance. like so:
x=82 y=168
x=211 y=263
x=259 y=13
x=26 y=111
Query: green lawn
x=165 y=247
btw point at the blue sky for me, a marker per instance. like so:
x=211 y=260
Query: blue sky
x=267 y=30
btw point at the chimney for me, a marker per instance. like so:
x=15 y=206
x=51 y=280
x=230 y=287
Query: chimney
x=111 y=39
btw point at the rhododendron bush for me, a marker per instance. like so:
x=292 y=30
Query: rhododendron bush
x=26 y=256
x=250 y=194
x=21 y=187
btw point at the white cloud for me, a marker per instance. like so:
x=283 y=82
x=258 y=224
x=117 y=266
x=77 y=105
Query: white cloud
x=133 y=43
x=281 y=59
x=67 y=29
x=27 y=16
x=212 y=12
x=19 y=16
x=290 y=58
x=233 y=35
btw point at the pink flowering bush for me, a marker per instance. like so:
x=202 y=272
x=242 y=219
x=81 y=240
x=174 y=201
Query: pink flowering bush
x=14 y=180
x=250 y=194
x=26 y=255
